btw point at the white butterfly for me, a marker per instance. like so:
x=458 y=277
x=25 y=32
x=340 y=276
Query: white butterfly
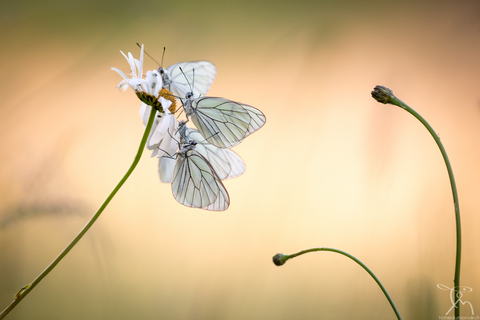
x=195 y=183
x=224 y=123
x=226 y=163
x=200 y=74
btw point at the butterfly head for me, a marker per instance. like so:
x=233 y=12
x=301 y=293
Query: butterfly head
x=187 y=146
x=189 y=95
x=166 y=79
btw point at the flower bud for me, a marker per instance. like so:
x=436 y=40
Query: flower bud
x=382 y=94
x=280 y=259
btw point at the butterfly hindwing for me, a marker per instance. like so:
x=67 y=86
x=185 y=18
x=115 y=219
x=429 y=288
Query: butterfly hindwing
x=166 y=165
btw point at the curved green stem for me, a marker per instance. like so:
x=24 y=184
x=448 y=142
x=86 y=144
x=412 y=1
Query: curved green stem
x=29 y=287
x=385 y=95
x=279 y=259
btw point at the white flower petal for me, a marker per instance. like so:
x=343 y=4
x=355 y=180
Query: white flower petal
x=120 y=72
x=165 y=104
x=165 y=137
x=145 y=112
x=140 y=66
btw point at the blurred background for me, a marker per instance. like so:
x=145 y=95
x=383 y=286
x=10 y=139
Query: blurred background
x=331 y=167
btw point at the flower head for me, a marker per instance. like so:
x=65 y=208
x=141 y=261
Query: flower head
x=164 y=137
x=147 y=89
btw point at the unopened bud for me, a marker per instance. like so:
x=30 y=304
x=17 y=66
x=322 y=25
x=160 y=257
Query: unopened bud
x=280 y=259
x=382 y=94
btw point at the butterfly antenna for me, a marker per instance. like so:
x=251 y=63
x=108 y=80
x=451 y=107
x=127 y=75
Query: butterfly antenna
x=180 y=125
x=193 y=80
x=163 y=55
x=213 y=135
x=150 y=55
x=173 y=137
x=180 y=114
x=191 y=88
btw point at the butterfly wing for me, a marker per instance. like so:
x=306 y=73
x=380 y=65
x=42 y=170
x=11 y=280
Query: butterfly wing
x=195 y=183
x=197 y=76
x=165 y=168
x=257 y=118
x=226 y=163
x=221 y=122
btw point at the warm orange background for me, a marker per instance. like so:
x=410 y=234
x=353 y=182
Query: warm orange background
x=332 y=167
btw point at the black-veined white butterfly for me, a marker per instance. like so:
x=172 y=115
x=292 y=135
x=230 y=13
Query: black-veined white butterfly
x=195 y=183
x=224 y=123
x=226 y=163
x=179 y=77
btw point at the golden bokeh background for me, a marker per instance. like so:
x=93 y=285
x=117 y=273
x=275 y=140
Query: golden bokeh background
x=332 y=167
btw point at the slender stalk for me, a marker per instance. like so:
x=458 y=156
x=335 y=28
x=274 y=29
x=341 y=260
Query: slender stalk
x=29 y=287
x=279 y=259
x=385 y=95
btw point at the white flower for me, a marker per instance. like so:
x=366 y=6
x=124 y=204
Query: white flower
x=147 y=89
x=164 y=137
x=136 y=68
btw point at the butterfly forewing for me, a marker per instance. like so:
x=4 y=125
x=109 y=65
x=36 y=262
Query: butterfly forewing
x=257 y=118
x=197 y=76
x=195 y=183
x=226 y=163
x=222 y=122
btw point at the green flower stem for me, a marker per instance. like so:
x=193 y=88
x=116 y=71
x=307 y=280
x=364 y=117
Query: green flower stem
x=279 y=259
x=385 y=95
x=29 y=287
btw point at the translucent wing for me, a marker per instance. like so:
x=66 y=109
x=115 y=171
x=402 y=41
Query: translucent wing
x=165 y=168
x=195 y=183
x=197 y=76
x=221 y=203
x=257 y=118
x=226 y=163
x=222 y=122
